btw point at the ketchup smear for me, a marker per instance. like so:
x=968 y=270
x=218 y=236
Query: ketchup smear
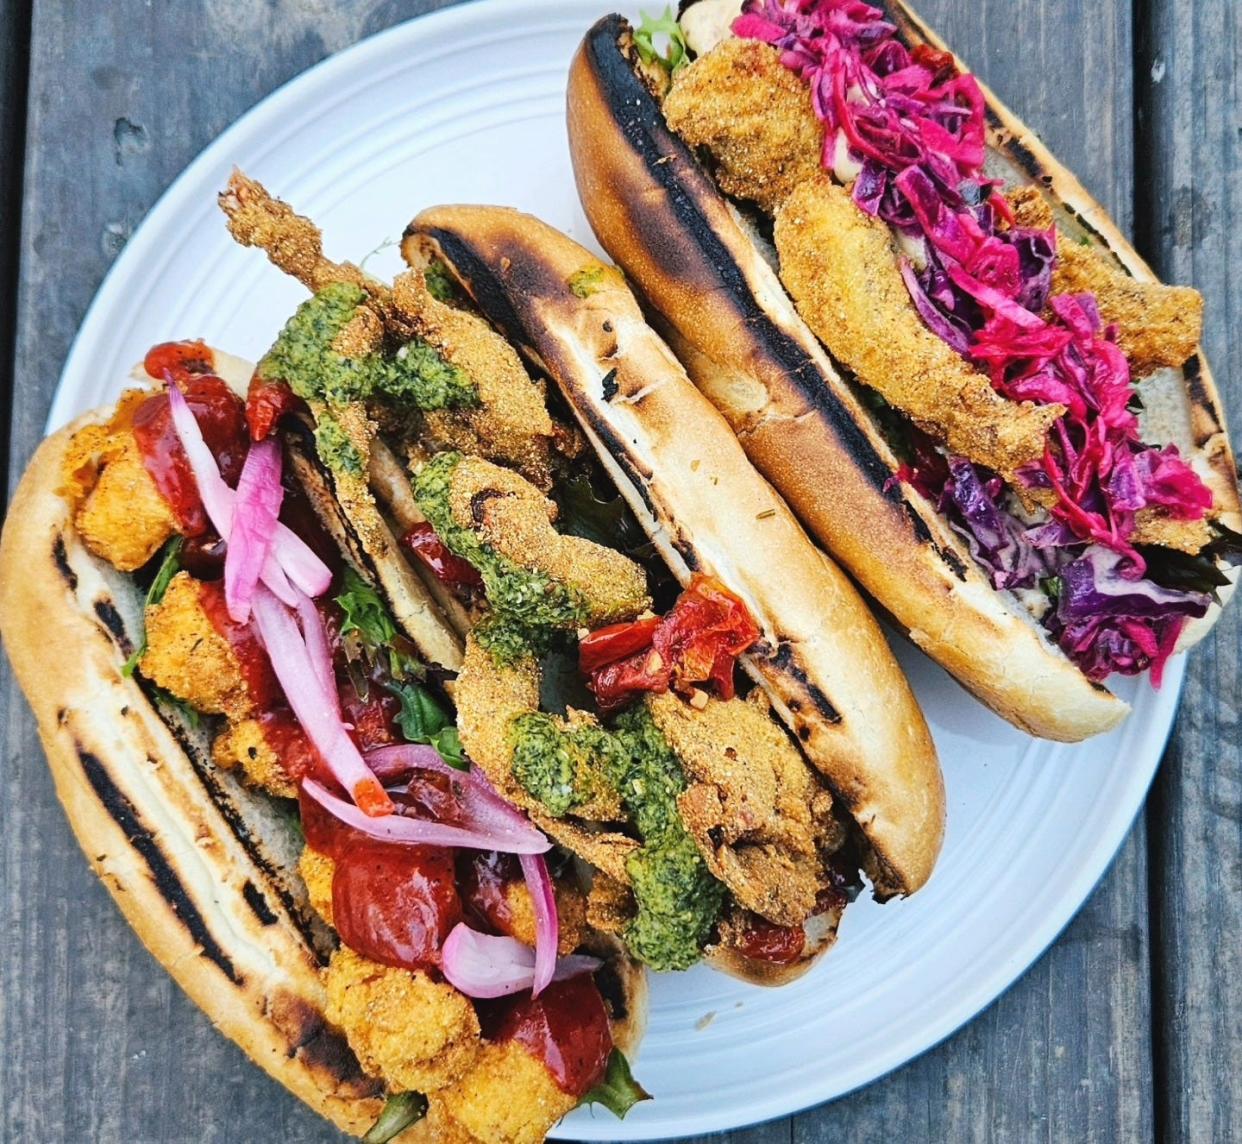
x=566 y=1027
x=220 y=415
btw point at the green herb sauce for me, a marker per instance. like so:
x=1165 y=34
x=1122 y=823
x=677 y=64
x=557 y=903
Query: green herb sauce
x=564 y=767
x=528 y=607
x=335 y=448
x=415 y=372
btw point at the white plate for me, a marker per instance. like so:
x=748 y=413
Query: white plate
x=467 y=105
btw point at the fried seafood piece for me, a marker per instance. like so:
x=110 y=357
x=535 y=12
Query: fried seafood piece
x=842 y=270
x=489 y=697
x=508 y=1097
x=1158 y=326
x=753 y=115
x=414 y=1033
x=244 y=746
x=124 y=518
x=187 y=656
x=514 y=519
x=753 y=806
x=510 y=424
x=570 y=912
x=317 y=870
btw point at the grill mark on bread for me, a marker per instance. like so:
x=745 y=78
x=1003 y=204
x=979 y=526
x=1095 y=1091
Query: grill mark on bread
x=258 y=903
x=61 y=559
x=319 y=1046
x=785 y=659
x=111 y=619
x=221 y=799
x=123 y=813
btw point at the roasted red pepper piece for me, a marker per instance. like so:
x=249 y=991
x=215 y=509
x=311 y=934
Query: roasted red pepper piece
x=607 y=645
x=452 y=570
x=267 y=401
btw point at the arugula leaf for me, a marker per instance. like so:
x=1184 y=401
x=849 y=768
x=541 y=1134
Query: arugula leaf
x=170 y=565
x=605 y=521
x=423 y=720
x=399 y=1112
x=375 y=631
x=618 y=1091
x=190 y=715
x=676 y=55
x=1052 y=586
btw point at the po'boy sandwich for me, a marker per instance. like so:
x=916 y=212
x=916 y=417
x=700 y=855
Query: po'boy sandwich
x=926 y=335
x=260 y=762
x=727 y=813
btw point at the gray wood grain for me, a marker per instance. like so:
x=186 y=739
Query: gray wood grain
x=100 y=1046
x=1191 y=135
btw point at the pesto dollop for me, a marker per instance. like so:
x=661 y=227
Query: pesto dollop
x=563 y=767
x=304 y=356
x=678 y=899
x=335 y=448
x=528 y=607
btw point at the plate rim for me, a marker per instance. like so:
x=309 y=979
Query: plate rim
x=984 y=991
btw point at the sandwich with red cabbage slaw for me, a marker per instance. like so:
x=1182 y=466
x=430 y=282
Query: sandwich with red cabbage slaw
x=927 y=336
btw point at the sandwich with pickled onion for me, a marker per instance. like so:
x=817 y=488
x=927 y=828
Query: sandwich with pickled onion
x=926 y=335
x=258 y=755
x=675 y=684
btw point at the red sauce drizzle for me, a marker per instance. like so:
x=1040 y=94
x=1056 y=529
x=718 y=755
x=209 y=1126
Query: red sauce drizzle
x=566 y=1027
x=764 y=941
x=179 y=361
x=394 y=904
x=255 y=667
x=221 y=416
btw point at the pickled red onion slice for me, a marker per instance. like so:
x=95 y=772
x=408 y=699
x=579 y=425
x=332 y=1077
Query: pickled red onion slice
x=484 y=965
x=255 y=512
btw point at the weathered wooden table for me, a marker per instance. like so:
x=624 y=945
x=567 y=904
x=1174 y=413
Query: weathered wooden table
x=1128 y=1029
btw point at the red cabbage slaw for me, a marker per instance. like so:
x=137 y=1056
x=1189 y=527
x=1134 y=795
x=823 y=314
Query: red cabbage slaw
x=908 y=129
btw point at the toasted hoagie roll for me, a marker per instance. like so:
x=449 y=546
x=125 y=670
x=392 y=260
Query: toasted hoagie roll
x=723 y=824
x=821 y=659
x=690 y=206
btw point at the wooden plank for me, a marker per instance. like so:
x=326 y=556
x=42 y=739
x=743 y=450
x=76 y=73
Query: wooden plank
x=1064 y=1055
x=99 y=1044
x=1190 y=136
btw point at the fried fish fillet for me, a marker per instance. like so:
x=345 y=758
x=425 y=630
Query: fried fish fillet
x=840 y=266
x=753 y=115
x=1159 y=326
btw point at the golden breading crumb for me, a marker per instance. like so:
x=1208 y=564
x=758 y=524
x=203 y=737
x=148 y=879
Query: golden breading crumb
x=840 y=267
x=124 y=518
x=610 y=904
x=186 y=655
x=292 y=242
x=317 y=870
x=748 y=805
x=753 y=115
x=508 y=1097
x=244 y=745
x=414 y=1033
x=1158 y=326
x=511 y=424
x=488 y=698
x=1157 y=527
x=570 y=910
x=515 y=519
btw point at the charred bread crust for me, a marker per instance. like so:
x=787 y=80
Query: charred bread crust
x=655 y=209
x=822 y=659
x=203 y=870
x=174 y=853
